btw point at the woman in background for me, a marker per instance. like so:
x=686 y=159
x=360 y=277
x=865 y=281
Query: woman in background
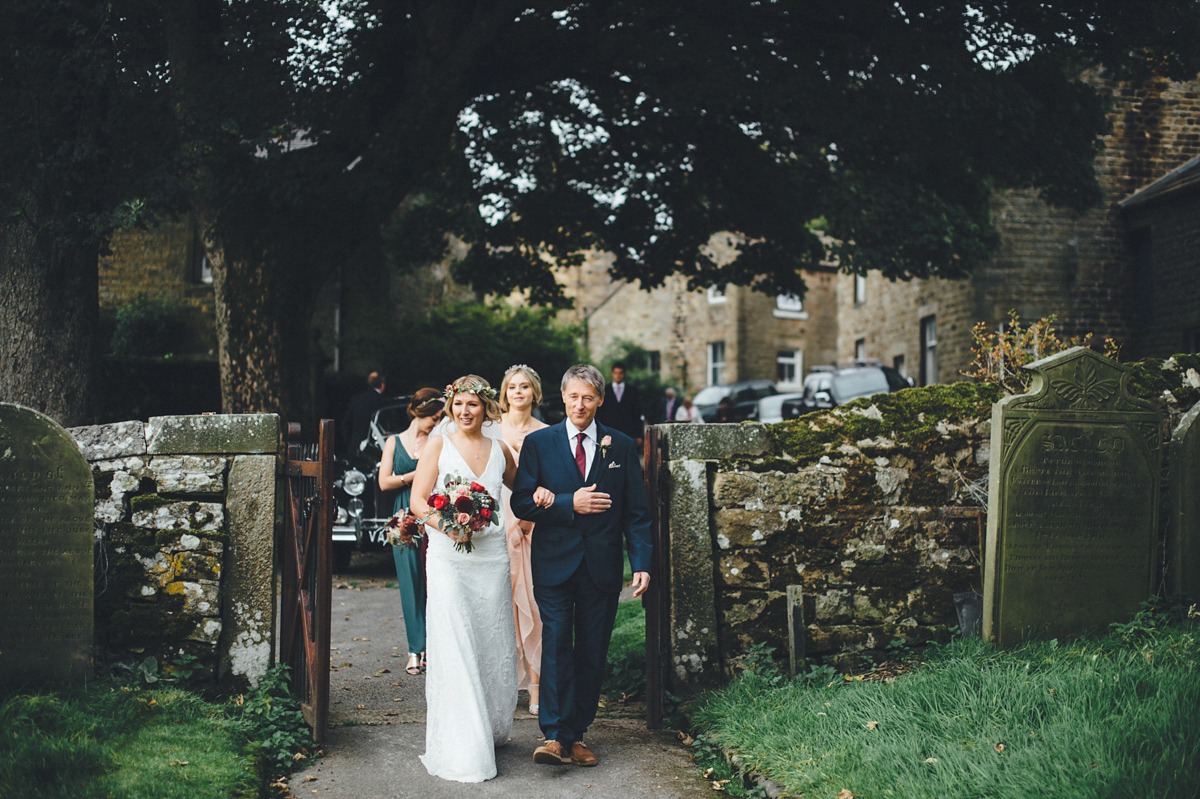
x=397 y=468
x=520 y=393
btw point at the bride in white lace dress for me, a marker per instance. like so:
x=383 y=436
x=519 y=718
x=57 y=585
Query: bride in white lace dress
x=471 y=682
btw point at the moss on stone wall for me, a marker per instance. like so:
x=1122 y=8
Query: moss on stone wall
x=913 y=415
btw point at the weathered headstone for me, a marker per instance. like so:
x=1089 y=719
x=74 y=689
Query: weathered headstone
x=1072 y=501
x=1184 y=527
x=46 y=510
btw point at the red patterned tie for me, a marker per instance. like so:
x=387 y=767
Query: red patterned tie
x=580 y=457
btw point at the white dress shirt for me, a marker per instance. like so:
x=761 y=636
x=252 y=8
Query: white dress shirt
x=618 y=390
x=589 y=442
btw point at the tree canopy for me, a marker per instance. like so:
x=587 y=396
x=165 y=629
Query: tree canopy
x=299 y=131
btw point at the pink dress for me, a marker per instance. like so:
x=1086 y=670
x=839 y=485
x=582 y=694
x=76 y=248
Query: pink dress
x=525 y=609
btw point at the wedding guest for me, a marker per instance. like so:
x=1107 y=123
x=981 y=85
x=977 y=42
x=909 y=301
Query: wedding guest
x=688 y=412
x=520 y=393
x=397 y=468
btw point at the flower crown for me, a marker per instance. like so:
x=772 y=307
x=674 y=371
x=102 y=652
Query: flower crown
x=478 y=389
x=524 y=368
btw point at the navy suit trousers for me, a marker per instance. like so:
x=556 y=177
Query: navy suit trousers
x=572 y=671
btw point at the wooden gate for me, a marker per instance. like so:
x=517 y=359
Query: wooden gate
x=307 y=580
x=656 y=600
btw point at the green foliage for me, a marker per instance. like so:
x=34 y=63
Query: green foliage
x=145 y=326
x=471 y=338
x=273 y=720
x=625 y=675
x=1155 y=614
x=1096 y=717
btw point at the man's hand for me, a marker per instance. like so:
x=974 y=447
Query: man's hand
x=589 y=500
x=543 y=497
x=641 y=581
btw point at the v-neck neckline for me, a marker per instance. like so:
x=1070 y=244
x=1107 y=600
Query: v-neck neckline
x=463 y=458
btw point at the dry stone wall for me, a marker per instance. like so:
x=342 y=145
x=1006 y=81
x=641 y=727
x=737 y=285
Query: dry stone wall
x=184 y=515
x=875 y=509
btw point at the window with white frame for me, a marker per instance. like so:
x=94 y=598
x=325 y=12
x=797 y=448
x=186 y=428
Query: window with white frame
x=716 y=294
x=789 y=366
x=860 y=349
x=789 y=306
x=716 y=363
x=860 y=289
x=928 y=350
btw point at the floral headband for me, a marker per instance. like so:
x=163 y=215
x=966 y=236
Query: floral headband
x=478 y=389
x=524 y=368
x=427 y=402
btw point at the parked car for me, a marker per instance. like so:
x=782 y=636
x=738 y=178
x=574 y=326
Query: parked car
x=744 y=394
x=827 y=387
x=362 y=508
x=770 y=408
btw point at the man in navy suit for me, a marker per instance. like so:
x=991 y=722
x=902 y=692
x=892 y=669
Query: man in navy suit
x=580 y=482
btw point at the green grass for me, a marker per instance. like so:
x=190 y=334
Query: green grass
x=128 y=742
x=121 y=744
x=1108 y=717
x=626 y=672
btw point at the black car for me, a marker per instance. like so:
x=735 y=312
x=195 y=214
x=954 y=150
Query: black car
x=363 y=509
x=828 y=387
x=744 y=395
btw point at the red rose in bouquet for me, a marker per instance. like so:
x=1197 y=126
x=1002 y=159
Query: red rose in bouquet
x=465 y=507
x=404 y=530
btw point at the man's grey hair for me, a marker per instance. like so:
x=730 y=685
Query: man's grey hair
x=588 y=374
x=670 y=392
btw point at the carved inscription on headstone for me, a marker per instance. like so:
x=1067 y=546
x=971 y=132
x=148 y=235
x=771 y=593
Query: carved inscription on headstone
x=46 y=510
x=1072 y=501
x=1183 y=552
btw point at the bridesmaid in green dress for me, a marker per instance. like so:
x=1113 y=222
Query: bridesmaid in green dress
x=397 y=467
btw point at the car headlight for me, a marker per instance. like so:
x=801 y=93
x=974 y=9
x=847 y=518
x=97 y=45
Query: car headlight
x=354 y=482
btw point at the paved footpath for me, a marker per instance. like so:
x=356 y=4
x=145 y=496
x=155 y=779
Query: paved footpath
x=377 y=719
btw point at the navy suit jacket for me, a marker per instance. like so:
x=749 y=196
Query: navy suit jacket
x=562 y=538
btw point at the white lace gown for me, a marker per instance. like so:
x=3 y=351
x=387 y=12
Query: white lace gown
x=471 y=683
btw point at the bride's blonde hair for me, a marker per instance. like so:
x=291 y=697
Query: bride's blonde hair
x=474 y=384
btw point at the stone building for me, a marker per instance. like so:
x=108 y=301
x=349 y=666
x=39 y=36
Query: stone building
x=1098 y=270
x=705 y=337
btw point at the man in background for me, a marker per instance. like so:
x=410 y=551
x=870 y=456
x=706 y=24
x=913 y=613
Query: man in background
x=670 y=406
x=357 y=422
x=622 y=407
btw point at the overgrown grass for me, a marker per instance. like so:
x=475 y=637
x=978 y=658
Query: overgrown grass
x=129 y=742
x=1107 y=717
x=626 y=672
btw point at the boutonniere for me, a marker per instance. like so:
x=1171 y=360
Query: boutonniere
x=605 y=443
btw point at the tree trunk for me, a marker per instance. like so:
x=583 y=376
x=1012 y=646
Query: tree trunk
x=49 y=297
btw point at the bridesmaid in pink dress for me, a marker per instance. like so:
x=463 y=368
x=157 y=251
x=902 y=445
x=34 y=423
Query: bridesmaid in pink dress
x=520 y=393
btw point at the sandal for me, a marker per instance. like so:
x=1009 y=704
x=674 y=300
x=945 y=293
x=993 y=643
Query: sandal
x=414 y=665
x=534 y=707
x=424 y=663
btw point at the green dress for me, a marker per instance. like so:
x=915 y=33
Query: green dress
x=410 y=571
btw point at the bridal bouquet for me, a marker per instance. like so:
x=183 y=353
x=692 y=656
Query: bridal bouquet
x=464 y=506
x=405 y=529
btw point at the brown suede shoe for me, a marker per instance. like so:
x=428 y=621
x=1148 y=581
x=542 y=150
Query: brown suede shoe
x=581 y=755
x=551 y=753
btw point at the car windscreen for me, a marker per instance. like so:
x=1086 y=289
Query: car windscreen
x=710 y=395
x=392 y=420
x=859 y=384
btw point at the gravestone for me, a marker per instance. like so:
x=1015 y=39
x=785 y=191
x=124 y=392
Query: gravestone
x=1183 y=551
x=46 y=510
x=1072 y=501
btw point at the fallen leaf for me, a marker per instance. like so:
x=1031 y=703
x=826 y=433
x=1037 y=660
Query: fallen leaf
x=361 y=707
x=708 y=774
x=872 y=725
x=931 y=760
x=384 y=671
x=311 y=778
x=999 y=747
x=397 y=700
x=299 y=756
x=844 y=793
x=178 y=762
x=686 y=739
